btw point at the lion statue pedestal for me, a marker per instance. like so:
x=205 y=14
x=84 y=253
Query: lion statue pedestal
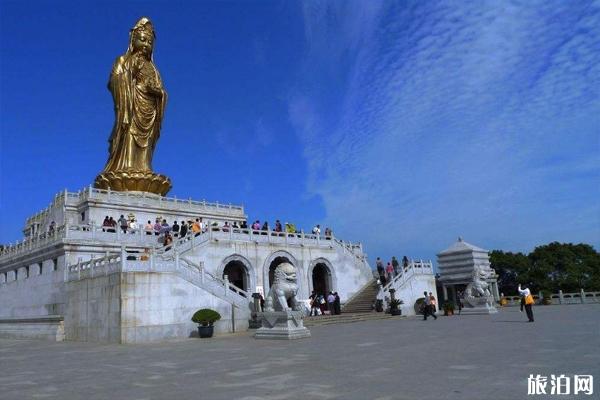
x=282 y=318
x=477 y=298
x=281 y=325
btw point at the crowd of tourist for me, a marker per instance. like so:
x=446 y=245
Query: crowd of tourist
x=392 y=269
x=167 y=232
x=324 y=305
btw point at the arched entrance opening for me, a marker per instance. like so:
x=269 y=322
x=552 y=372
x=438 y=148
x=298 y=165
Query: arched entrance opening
x=274 y=264
x=321 y=279
x=237 y=274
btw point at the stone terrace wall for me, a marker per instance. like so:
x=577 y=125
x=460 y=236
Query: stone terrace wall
x=31 y=294
x=159 y=306
x=93 y=309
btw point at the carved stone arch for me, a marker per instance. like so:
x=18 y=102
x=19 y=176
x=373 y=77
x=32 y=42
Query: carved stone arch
x=267 y=274
x=331 y=278
x=250 y=271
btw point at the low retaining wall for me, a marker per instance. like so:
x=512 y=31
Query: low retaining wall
x=50 y=327
x=581 y=297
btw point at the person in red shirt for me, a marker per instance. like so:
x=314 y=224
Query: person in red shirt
x=389 y=270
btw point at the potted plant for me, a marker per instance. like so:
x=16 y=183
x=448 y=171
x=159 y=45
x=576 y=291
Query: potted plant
x=547 y=297
x=448 y=308
x=205 y=318
x=395 y=307
x=379 y=305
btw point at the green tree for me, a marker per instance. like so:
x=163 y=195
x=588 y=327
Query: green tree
x=554 y=266
x=565 y=266
x=510 y=268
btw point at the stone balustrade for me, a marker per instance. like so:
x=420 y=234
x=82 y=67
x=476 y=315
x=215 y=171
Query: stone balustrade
x=134 y=261
x=140 y=237
x=91 y=193
x=580 y=297
x=32 y=243
x=130 y=198
x=260 y=236
x=414 y=267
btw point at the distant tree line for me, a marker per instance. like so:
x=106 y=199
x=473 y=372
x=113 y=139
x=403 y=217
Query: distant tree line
x=552 y=267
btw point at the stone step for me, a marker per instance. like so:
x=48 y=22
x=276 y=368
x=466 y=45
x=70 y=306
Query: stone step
x=360 y=305
x=364 y=300
x=359 y=309
x=345 y=318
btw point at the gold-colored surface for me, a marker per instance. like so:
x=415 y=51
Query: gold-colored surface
x=140 y=99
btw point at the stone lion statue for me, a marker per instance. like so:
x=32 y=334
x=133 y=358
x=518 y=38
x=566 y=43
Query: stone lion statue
x=284 y=288
x=478 y=286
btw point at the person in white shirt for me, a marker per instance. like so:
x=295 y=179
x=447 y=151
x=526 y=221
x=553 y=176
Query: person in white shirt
x=317 y=230
x=330 y=301
x=133 y=226
x=526 y=293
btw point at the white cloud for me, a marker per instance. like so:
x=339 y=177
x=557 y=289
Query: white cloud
x=453 y=119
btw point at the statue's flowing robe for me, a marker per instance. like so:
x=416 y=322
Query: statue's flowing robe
x=138 y=115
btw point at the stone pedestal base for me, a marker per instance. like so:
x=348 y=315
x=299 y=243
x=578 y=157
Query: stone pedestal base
x=254 y=322
x=478 y=305
x=284 y=325
x=131 y=181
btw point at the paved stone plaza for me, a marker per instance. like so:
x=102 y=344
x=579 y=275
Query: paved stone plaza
x=468 y=357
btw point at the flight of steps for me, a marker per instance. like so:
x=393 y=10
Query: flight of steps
x=346 y=318
x=363 y=301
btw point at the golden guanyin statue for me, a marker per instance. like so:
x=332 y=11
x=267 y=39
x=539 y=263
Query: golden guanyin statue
x=140 y=99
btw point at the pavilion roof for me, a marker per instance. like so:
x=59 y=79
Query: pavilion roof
x=460 y=246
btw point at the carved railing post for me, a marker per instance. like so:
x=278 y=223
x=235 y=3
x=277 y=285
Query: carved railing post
x=560 y=297
x=226 y=284
x=123 y=257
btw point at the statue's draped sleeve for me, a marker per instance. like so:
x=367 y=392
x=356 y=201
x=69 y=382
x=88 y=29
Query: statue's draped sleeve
x=160 y=109
x=119 y=85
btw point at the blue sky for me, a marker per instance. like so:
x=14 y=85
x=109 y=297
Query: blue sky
x=399 y=124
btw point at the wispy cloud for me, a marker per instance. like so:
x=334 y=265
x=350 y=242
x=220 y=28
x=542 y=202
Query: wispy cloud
x=439 y=119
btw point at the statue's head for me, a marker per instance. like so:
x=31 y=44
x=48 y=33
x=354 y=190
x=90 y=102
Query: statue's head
x=285 y=272
x=141 y=38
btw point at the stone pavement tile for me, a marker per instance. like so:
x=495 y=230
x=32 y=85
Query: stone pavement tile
x=460 y=357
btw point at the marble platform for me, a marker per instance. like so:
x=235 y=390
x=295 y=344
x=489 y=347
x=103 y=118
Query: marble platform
x=284 y=325
x=478 y=306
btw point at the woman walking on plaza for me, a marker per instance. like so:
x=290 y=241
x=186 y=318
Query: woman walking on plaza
x=526 y=294
x=433 y=303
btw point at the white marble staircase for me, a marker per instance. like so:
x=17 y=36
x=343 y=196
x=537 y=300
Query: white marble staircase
x=182 y=267
x=410 y=284
x=363 y=300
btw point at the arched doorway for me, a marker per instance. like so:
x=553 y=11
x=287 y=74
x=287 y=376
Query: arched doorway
x=237 y=274
x=276 y=261
x=321 y=279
